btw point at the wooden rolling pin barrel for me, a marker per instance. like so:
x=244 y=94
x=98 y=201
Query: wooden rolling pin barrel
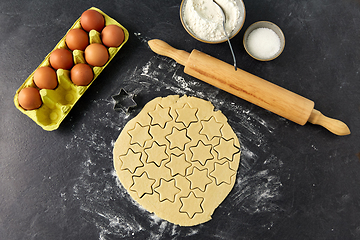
x=249 y=87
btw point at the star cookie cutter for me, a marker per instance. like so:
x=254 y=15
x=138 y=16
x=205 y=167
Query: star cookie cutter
x=124 y=101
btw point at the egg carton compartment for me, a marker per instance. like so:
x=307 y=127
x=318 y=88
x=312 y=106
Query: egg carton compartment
x=57 y=103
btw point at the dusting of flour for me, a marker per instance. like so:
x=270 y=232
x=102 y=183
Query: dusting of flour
x=104 y=202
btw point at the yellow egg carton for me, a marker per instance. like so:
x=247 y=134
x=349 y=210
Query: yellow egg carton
x=57 y=103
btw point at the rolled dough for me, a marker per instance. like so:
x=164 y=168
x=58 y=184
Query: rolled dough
x=178 y=158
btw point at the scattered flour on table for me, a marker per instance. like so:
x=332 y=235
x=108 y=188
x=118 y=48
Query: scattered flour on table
x=140 y=37
x=103 y=200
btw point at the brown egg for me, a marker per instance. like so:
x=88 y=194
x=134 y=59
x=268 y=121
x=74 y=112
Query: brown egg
x=96 y=54
x=45 y=78
x=77 y=39
x=92 y=19
x=112 y=36
x=29 y=98
x=61 y=59
x=81 y=74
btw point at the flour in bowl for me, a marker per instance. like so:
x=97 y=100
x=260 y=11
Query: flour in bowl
x=204 y=18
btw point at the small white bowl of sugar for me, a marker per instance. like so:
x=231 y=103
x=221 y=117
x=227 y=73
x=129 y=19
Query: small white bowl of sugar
x=264 y=41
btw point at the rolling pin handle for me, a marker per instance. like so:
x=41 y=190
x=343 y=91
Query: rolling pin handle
x=335 y=126
x=162 y=48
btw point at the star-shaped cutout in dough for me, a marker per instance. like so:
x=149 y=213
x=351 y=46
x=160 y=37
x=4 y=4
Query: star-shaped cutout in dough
x=142 y=184
x=178 y=138
x=178 y=164
x=156 y=132
x=156 y=153
x=211 y=128
x=131 y=161
x=139 y=134
x=160 y=116
x=226 y=148
x=186 y=115
x=199 y=179
x=222 y=173
x=201 y=153
x=167 y=190
x=191 y=205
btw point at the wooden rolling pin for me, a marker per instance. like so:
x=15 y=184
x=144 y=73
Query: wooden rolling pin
x=249 y=87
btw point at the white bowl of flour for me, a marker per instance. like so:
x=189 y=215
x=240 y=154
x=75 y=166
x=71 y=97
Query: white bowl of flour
x=203 y=20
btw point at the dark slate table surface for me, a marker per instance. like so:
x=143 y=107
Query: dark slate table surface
x=294 y=182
